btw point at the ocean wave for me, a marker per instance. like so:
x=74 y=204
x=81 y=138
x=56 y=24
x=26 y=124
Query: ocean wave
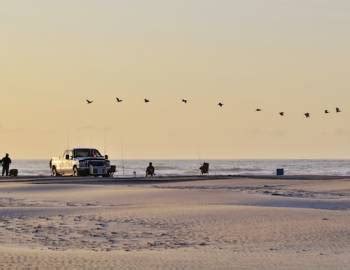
x=237 y=170
x=175 y=167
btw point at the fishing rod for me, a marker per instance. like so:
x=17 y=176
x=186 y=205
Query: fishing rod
x=122 y=156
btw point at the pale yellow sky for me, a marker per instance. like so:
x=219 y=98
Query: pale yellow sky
x=284 y=55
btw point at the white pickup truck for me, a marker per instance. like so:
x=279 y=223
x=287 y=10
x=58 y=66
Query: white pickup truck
x=82 y=162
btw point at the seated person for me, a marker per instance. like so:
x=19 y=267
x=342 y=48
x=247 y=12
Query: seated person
x=150 y=170
x=204 y=168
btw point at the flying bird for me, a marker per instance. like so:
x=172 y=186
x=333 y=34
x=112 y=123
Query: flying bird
x=338 y=110
x=184 y=101
x=326 y=112
x=307 y=115
x=220 y=104
x=89 y=101
x=281 y=113
x=119 y=100
x=146 y=100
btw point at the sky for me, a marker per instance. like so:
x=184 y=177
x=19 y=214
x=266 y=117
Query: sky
x=280 y=55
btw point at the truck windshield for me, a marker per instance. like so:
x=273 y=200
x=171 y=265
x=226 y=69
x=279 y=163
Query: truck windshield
x=81 y=153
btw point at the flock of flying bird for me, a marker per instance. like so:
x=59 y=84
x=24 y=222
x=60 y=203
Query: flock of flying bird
x=220 y=104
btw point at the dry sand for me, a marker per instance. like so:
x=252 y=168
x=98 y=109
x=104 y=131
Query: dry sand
x=237 y=223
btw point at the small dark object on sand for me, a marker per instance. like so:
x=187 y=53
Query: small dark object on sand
x=14 y=172
x=280 y=172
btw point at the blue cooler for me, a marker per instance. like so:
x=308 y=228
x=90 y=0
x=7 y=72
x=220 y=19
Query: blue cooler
x=280 y=172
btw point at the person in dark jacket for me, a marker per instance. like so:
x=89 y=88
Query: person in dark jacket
x=6 y=161
x=150 y=170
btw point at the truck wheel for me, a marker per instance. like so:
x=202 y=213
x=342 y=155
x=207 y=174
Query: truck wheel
x=75 y=171
x=54 y=171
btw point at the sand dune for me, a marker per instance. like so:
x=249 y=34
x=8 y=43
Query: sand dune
x=208 y=224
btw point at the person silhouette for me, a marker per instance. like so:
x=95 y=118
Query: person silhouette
x=150 y=170
x=6 y=161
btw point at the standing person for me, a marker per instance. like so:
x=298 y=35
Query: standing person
x=6 y=161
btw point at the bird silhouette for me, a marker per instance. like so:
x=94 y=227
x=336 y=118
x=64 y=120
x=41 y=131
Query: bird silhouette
x=146 y=100
x=220 y=104
x=89 y=101
x=119 y=100
x=184 y=101
x=281 y=113
x=326 y=111
x=258 y=110
x=338 y=110
x=307 y=115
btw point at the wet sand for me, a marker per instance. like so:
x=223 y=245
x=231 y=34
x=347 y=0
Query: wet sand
x=175 y=223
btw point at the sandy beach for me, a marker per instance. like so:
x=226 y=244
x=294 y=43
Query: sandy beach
x=213 y=135
x=233 y=223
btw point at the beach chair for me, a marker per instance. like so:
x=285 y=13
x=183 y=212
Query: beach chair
x=204 y=168
x=150 y=172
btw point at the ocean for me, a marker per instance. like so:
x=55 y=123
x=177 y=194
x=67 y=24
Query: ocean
x=217 y=167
